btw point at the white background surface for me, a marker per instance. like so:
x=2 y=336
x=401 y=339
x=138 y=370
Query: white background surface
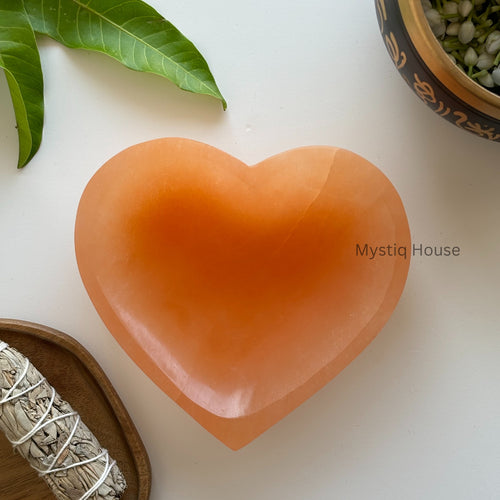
x=417 y=415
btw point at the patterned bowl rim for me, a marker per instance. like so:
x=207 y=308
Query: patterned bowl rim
x=443 y=68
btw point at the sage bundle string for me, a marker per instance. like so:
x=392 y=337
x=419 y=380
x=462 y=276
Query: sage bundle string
x=51 y=436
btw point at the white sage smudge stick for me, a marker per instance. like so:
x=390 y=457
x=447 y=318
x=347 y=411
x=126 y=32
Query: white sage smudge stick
x=50 y=435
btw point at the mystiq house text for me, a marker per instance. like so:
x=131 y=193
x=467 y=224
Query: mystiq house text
x=416 y=250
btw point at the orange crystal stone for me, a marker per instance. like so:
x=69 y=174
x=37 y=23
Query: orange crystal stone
x=240 y=290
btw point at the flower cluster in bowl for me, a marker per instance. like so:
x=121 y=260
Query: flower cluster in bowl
x=469 y=31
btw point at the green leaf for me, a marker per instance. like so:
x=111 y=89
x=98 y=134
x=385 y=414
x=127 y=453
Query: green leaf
x=131 y=32
x=21 y=62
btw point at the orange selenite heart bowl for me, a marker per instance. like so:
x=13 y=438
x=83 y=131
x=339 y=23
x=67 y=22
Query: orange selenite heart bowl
x=240 y=290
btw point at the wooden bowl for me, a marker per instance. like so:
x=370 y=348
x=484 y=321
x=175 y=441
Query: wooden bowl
x=77 y=377
x=428 y=70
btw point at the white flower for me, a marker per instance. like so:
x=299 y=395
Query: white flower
x=485 y=61
x=465 y=8
x=492 y=44
x=450 y=8
x=496 y=75
x=466 y=32
x=486 y=80
x=470 y=57
x=440 y=30
x=437 y=24
x=426 y=4
x=434 y=17
x=452 y=29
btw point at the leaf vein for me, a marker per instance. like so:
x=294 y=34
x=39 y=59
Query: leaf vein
x=137 y=39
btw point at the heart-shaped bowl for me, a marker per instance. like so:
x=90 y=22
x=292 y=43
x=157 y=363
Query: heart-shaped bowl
x=240 y=290
x=430 y=72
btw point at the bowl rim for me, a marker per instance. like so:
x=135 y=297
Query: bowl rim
x=438 y=61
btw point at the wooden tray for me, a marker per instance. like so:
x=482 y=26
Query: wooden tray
x=75 y=374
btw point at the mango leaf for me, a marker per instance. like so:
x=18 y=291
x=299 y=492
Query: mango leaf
x=20 y=60
x=131 y=32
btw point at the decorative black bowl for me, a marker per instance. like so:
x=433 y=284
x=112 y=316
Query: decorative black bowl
x=428 y=70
